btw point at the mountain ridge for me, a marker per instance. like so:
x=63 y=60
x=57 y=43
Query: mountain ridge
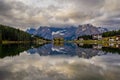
x=68 y=33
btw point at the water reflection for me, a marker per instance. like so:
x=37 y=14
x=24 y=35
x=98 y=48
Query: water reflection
x=107 y=49
x=69 y=49
x=34 y=67
x=50 y=49
x=59 y=62
x=14 y=49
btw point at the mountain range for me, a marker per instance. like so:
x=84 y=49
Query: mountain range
x=68 y=33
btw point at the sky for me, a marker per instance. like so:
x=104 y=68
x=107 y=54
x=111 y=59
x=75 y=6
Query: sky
x=34 y=13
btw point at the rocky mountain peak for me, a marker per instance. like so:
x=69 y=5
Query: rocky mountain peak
x=68 y=33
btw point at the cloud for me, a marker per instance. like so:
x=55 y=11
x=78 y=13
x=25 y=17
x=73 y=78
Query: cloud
x=29 y=67
x=29 y=13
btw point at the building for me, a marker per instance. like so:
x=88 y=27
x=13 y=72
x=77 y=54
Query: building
x=58 y=39
x=97 y=46
x=111 y=45
x=80 y=44
x=97 y=37
x=118 y=38
x=111 y=39
x=81 y=39
x=117 y=45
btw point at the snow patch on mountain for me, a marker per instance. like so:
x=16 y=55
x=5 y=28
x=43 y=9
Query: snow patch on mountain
x=58 y=32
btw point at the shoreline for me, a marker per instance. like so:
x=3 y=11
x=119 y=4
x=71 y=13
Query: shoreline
x=15 y=42
x=96 y=42
x=22 y=42
x=74 y=41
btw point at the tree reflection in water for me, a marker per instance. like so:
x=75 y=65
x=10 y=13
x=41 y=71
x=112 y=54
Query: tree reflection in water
x=69 y=49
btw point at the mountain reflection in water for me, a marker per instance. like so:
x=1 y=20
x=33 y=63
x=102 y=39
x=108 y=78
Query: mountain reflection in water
x=69 y=49
x=54 y=62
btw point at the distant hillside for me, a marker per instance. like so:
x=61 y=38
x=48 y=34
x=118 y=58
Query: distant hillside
x=105 y=34
x=111 y=33
x=8 y=33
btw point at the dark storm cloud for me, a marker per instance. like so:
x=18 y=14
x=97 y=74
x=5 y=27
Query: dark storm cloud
x=4 y=6
x=16 y=13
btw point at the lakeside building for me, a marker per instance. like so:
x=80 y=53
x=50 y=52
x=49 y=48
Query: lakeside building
x=118 y=46
x=97 y=37
x=111 y=39
x=81 y=39
x=118 y=38
x=58 y=39
x=97 y=46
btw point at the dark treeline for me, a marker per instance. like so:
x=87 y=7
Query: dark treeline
x=85 y=37
x=105 y=34
x=0 y=36
x=111 y=33
x=12 y=49
x=111 y=50
x=105 y=49
x=11 y=34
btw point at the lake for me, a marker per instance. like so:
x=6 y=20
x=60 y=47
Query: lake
x=66 y=61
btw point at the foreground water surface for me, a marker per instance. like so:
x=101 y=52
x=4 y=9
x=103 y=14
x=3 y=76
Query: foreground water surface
x=66 y=61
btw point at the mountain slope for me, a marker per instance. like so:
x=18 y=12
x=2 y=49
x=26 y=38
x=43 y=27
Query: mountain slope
x=87 y=29
x=68 y=33
x=8 y=33
x=12 y=34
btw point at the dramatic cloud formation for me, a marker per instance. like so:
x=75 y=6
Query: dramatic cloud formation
x=29 y=13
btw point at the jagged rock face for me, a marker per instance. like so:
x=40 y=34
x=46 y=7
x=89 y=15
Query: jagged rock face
x=102 y=30
x=52 y=32
x=44 y=32
x=86 y=30
x=68 y=33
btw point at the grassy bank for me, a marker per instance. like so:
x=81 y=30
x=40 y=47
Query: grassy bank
x=14 y=42
x=95 y=42
x=20 y=42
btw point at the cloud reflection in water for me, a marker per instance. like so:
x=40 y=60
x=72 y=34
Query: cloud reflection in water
x=35 y=67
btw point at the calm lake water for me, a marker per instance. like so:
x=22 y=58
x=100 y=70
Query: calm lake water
x=66 y=61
